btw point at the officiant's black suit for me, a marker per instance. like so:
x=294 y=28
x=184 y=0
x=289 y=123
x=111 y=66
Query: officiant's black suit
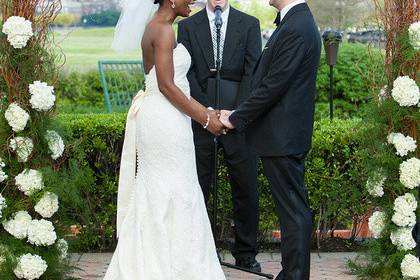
x=241 y=50
x=278 y=119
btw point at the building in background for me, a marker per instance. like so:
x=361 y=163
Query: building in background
x=85 y=7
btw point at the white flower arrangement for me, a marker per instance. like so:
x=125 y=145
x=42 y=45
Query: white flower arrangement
x=377 y=223
x=374 y=185
x=42 y=96
x=410 y=173
x=403 y=144
x=403 y=239
x=55 y=144
x=29 y=181
x=23 y=147
x=414 y=33
x=18 y=226
x=410 y=267
x=63 y=247
x=41 y=233
x=3 y=205
x=47 y=206
x=16 y=117
x=18 y=31
x=405 y=91
x=30 y=267
x=3 y=175
x=404 y=207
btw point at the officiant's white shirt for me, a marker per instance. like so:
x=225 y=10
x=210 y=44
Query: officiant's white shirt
x=287 y=8
x=225 y=17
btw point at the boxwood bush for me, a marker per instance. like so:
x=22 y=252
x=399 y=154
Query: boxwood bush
x=334 y=178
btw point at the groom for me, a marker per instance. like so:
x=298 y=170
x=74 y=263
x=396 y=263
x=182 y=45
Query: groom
x=278 y=119
x=240 y=49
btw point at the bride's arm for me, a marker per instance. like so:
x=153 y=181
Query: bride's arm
x=163 y=55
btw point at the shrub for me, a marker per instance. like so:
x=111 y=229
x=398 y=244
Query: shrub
x=333 y=177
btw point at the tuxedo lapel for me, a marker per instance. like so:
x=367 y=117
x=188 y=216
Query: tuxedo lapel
x=202 y=32
x=232 y=37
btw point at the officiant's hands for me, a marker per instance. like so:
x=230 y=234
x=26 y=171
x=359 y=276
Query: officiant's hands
x=224 y=119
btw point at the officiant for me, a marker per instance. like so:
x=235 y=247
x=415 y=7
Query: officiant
x=240 y=49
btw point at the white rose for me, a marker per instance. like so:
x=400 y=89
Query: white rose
x=405 y=91
x=403 y=238
x=29 y=181
x=23 y=147
x=30 y=267
x=16 y=117
x=42 y=96
x=47 y=205
x=55 y=144
x=410 y=173
x=410 y=267
x=41 y=233
x=18 y=226
x=18 y=31
x=377 y=223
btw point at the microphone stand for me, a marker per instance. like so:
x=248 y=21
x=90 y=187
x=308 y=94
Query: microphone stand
x=219 y=23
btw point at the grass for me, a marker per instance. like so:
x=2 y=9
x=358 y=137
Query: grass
x=84 y=47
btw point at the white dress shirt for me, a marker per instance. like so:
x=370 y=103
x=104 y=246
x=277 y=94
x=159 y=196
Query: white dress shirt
x=225 y=17
x=287 y=8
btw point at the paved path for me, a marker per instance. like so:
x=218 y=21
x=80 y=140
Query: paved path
x=327 y=266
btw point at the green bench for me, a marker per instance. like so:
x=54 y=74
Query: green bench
x=121 y=80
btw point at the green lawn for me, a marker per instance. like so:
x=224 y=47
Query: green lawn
x=84 y=47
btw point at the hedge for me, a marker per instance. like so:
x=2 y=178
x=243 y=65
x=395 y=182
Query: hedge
x=334 y=178
x=82 y=92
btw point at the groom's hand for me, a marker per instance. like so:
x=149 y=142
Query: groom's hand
x=216 y=127
x=224 y=119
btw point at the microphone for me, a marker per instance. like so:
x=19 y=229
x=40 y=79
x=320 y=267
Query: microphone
x=218 y=20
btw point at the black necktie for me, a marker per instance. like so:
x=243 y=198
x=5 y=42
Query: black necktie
x=278 y=19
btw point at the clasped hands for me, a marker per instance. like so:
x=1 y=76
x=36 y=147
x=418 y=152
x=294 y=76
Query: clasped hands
x=219 y=121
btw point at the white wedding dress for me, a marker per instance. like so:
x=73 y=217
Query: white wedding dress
x=163 y=227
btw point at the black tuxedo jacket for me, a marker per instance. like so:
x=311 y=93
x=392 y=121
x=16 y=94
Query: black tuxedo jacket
x=279 y=115
x=241 y=51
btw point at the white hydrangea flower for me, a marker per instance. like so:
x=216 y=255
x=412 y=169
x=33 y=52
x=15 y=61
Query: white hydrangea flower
x=42 y=96
x=55 y=144
x=405 y=91
x=414 y=32
x=403 y=144
x=410 y=173
x=16 y=117
x=23 y=147
x=374 y=185
x=3 y=205
x=30 y=267
x=47 y=205
x=29 y=181
x=403 y=238
x=3 y=175
x=18 y=226
x=377 y=223
x=410 y=267
x=41 y=233
x=63 y=247
x=404 y=207
x=18 y=31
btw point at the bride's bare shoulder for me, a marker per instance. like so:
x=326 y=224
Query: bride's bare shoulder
x=158 y=33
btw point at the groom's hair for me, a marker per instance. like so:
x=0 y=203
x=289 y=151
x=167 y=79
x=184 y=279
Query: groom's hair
x=160 y=2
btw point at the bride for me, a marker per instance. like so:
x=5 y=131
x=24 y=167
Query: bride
x=162 y=224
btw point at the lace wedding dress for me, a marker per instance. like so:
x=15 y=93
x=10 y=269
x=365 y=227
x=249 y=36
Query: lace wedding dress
x=163 y=227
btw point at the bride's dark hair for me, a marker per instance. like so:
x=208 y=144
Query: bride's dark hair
x=160 y=2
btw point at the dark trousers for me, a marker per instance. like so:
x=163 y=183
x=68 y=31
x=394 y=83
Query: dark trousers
x=286 y=177
x=242 y=168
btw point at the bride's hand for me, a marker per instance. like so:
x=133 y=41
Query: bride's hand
x=224 y=119
x=215 y=126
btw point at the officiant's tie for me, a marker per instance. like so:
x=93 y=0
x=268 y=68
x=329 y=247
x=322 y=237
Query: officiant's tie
x=214 y=39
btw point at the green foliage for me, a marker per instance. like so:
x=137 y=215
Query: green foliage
x=66 y=19
x=103 y=18
x=333 y=178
